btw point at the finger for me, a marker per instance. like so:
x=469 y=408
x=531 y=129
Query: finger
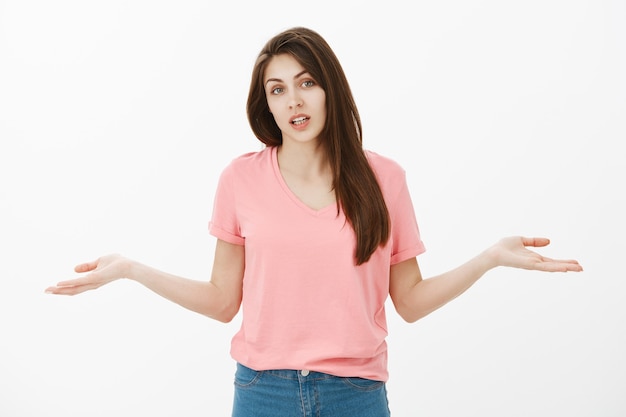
x=87 y=266
x=536 y=242
x=62 y=290
x=65 y=290
x=547 y=260
x=560 y=266
x=70 y=290
x=86 y=280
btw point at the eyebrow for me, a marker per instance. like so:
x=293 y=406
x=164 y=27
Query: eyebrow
x=294 y=77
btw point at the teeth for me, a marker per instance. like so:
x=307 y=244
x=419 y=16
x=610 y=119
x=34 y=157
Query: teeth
x=299 y=120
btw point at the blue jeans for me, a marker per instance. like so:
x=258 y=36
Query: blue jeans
x=290 y=393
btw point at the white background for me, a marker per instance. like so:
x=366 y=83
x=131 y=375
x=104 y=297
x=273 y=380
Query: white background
x=117 y=117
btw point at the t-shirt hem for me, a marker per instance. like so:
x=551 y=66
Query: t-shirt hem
x=407 y=254
x=225 y=236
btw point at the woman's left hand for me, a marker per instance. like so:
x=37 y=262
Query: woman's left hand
x=512 y=251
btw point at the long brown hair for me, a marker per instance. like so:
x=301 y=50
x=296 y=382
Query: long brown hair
x=356 y=188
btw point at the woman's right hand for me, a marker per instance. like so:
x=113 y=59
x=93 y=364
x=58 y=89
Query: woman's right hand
x=99 y=272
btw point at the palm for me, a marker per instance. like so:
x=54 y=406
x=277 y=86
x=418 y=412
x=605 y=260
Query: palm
x=513 y=252
x=100 y=272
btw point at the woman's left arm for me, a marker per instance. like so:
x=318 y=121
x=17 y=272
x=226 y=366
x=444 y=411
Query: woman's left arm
x=414 y=297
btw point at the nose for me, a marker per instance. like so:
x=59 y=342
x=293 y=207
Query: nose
x=295 y=101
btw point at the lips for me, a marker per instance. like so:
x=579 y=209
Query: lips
x=299 y=120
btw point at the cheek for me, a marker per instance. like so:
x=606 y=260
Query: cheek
x=321 y=100
x=275 y=114
x=272 y=106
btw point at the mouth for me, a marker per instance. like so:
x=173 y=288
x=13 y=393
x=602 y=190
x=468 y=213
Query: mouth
x=299 y=120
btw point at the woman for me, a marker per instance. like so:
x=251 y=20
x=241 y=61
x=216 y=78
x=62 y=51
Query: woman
x=313 y=233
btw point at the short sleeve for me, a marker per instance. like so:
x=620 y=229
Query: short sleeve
x=224 y=222
x=405 y=234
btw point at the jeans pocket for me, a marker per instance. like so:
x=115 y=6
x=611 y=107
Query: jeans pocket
x=246 y=377
x=362 y=384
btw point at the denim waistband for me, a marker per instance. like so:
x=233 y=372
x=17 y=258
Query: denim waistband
x=296 y=374
x=305 y=393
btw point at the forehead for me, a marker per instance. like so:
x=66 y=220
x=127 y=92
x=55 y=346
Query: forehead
x=282 y=67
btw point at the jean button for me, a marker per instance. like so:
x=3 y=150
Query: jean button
x=304 y=372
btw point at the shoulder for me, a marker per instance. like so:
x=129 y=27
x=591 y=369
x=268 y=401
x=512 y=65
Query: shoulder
x=250 y=163
x=390 y=174
x=252 y=158
x=384 y=166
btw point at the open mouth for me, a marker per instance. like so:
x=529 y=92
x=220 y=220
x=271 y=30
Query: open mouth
x=299 y=120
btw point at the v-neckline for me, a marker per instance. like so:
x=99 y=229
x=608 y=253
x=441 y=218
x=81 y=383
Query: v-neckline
x=290 y=193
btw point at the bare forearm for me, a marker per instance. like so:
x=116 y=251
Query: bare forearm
x=198 y=296
x=219 y=299
x=415 y=298
x=432 y=293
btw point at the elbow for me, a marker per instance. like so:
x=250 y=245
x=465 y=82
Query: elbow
x=409 y=313
x=410 y=319
x=222 y=318
x=225 y=314
x=409 y=316
x=221 y=305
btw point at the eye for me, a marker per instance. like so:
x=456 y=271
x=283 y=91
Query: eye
x=276 y=90
x=308 y=83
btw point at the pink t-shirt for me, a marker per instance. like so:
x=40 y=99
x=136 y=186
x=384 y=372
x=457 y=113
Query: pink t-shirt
x=306 y=305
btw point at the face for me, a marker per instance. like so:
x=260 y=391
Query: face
x=296 y=101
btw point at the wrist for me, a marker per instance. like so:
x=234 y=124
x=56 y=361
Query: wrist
x=130 y=269
x=489 y=258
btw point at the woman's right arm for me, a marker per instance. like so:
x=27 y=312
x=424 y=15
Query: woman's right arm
x=218 y=298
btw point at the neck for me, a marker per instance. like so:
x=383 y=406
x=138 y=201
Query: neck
x=303 y=159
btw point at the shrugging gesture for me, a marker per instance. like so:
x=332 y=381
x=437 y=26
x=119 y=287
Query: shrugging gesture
x=322 y=232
